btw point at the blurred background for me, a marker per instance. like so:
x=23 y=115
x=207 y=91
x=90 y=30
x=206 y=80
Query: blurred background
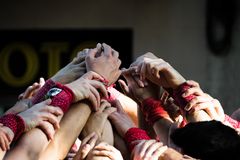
x=200 y=38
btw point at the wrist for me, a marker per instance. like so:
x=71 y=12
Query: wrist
x=153 y=110
x=134 y=134
x=62 y=96
x=15 y=123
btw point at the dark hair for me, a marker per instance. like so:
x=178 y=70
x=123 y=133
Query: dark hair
x=208 y=140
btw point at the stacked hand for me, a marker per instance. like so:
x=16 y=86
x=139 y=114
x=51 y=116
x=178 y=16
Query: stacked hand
x=40 y=115
x=72 y=71
x=148 y=150
x=203 y=101
x=24 y=99
x=104 y=61
x=120 y=119
x=97 y=120
x=88 y=87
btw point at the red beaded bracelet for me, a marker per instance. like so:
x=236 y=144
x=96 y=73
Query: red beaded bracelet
x=15 y=123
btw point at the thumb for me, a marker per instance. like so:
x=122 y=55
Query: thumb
x=124 y=86
x=92 y=53
x=47 y=101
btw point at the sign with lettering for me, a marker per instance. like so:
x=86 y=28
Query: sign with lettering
x=27 y=55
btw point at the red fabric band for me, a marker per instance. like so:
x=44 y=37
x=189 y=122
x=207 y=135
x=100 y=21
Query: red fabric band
x=39 y=97
x=152 y=110
x=177 y=95
x=233 y=122
x=134 y=134
x=15 y=123
x=64 y=99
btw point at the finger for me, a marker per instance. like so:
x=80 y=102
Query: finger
x=8 y=138
x=115 y=53
x=152 y=148
x=139 y=81
x=50 y=118
x=91 y=54
x=194 y=90
x=218 y=108
x=124 y=87
x=46 y=102
x=88 y=145
x=107 y=50
x=103 y=105
x=193 y=83
x=212 y=113
x=109 y=110
x=6 y=142
x=196 y=100
x=159 y=151
x=96 y=95
x=93 y=101
x=145 y=147
x=88 y=137
x=118 y=105
x=53 y=110
x=27 y=93
x=46 y=128
x=20 y=96
x=79 y=59
x=143 y=72
x=100 y=87
x=92 y=75
x=2 y=143
x=104 y=153
x=41 y=81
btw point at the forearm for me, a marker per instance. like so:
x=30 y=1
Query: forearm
x=161 y=128
x=31 y=144
x=70 y=127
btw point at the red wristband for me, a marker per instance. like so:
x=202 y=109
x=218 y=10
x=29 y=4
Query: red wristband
x=15 y=123
x=64 y=98
x=233 y=122
x=153 y=110
x=134 y=134
x=39 y=97
x=177 y=95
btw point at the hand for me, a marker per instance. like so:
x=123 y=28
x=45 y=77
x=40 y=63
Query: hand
x=87 y=87
x=139 y=60
x=120 y=119
x=40 y=115
x=25 y=99
x=107 y=64
x=32 y=90
x=133 y=90
x=5 y=138
x=97 y=120
x=203 y=101
x=172 y=109
x=87 y=145
x=105 y=150
x=73 y=151
x=72 y=71
x=148 y=150
x=159 y=72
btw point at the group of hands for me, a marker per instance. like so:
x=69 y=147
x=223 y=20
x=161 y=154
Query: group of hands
x=88 y=74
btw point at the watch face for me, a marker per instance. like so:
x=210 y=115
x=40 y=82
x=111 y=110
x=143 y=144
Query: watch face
x=53 y=92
